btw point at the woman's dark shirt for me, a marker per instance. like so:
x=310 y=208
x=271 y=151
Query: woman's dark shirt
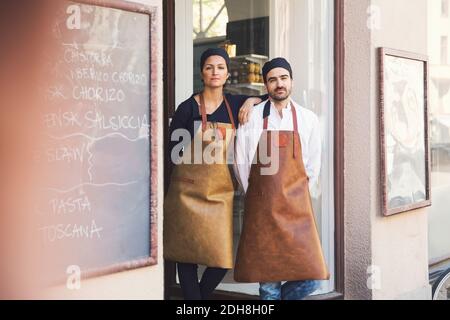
x=188 y=115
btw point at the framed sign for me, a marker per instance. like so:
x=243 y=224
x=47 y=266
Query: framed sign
x=405 y=165
x=97 y=198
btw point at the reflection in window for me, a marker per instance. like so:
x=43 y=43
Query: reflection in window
x=439 y=107
x=210 y=18
x=444 y=8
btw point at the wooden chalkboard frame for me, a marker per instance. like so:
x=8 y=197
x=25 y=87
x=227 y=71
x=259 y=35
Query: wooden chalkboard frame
x=153 y=156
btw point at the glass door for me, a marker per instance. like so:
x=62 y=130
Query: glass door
x=254 y=31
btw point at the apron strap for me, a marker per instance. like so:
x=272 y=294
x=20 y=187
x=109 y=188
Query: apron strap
x=230 y=114
x=295 y=132
x=203 y=112
x=266 y=115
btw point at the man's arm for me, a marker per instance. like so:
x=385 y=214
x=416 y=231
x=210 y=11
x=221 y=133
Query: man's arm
x=242 y=165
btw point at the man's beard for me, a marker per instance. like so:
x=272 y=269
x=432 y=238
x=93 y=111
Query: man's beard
x=280 y=97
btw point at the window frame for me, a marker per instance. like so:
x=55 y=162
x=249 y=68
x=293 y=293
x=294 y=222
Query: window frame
x=444 y=8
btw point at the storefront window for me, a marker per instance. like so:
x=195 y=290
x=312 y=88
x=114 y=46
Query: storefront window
x=255 y=31
x=439 y=101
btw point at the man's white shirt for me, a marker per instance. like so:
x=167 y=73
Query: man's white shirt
x=248 y=136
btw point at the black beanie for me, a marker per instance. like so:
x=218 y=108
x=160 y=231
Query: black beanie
x=214 y=52
x=276 y=63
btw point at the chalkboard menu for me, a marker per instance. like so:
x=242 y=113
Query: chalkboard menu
x=94 y=203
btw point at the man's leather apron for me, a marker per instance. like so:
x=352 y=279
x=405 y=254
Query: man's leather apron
x=279 y=241
x=198 y=209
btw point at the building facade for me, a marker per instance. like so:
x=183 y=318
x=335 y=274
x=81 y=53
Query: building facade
x=333 y=46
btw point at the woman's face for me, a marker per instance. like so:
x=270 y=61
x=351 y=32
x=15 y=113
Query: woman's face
x=215 y=72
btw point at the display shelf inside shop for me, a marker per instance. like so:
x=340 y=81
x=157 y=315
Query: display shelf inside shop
x=250 y=85
x=256 y=58
x=246 y=89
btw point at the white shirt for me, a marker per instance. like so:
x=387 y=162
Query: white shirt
x=248 y=136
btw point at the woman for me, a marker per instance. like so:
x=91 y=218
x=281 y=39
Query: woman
x=198 y=210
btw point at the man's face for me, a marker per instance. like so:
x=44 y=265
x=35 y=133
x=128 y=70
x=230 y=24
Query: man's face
x=279 y=84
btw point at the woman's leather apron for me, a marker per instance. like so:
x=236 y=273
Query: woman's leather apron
x=279 y=241
x=198 y=209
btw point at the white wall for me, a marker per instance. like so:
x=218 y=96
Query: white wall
x=400 y=245
x=396 y=246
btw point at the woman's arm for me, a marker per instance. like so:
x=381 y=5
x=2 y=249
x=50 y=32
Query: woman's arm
x=247 y=106
x=246 y=109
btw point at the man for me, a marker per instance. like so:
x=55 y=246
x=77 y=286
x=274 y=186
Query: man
x=278 y=154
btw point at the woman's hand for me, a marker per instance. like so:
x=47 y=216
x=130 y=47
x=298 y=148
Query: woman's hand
x=246 y=109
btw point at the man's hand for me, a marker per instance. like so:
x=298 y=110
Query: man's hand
x=246 y=109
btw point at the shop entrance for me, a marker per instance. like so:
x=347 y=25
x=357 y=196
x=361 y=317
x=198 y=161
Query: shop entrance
x=302 y=31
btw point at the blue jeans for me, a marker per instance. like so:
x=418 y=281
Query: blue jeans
x=291 y=290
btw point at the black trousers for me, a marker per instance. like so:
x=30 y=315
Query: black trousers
x=192 y=288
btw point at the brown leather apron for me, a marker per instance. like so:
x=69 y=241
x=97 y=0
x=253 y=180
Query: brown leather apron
x=279 y=241
x=198 y=209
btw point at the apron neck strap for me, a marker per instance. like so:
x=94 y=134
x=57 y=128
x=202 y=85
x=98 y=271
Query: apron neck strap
x=266 y=115
x=203 y=112
x=295 y=132
x=294 y=117
x=230 y=113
